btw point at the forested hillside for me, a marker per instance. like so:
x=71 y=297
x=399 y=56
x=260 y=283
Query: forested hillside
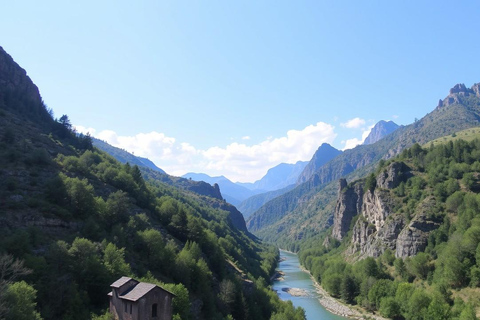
x=411 y=245
x=308 y=209
x=73 y=220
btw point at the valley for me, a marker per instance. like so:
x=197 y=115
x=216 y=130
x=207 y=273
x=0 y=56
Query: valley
x=390 y=227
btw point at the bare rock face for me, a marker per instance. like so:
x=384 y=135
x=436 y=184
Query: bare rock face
x=460 y=87
x=476 y=89
x=349 y=204
x=14 y=80
x=368 y=242
x=459 y=91
x=376 y=207
x=377 y=227
x=393 y=175
x=413 y=238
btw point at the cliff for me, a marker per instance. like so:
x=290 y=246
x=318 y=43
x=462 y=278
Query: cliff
x=377 y=226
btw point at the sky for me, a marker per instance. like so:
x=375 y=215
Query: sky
x=234 y=88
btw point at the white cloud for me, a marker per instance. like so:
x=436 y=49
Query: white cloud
x=246 y=138
x=84 y=130
x=237 y=161
x=354 y=123
x=352 y=143
x=395 y=116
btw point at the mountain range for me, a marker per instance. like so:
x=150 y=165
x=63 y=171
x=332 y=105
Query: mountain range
x=308 y=208
x=276 y=178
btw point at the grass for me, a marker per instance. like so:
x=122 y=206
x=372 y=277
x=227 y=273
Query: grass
x=467 y=135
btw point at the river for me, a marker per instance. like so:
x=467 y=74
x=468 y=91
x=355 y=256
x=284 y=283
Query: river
x=295 y=277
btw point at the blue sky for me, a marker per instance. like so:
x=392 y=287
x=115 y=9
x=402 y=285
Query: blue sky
x=236 y=87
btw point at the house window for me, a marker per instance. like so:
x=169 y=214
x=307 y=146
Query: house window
x=125 y=307
x=154 y=310
x=131 y=308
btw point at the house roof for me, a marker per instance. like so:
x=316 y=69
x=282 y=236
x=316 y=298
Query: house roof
x=138 y=291
x=120 y=282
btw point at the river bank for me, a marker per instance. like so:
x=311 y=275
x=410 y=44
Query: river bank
x=337 y=307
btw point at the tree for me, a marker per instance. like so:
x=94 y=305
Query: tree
x=117 y=207
x=390 y=308
x=438 y=309
x=370 y=182
x=468 y=313
x=418 y=304
x=420 y=265
x=348 y=288
x=10 y=270
x=114 y=260
x=20 y=298
x=382 y=288
x=226 y=294
x=65 y=122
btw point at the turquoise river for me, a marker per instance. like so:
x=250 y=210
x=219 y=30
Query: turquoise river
x=295 y=277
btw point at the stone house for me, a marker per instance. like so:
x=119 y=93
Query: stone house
x=134 y=300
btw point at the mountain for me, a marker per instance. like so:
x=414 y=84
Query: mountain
x=248 y=206
x=323 y=154
x=308 y=209
x=408 y=230
x=123 y=156
x=380 y=130
x=278 y=177
x=73 y=220
x=232 y=192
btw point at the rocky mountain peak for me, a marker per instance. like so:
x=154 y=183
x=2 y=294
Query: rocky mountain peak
x=323 y=154
x=458 y=92
x=380 y=130
x=460 y=87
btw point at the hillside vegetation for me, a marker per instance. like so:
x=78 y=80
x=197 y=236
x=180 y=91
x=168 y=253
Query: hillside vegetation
x=73 y=220
x=437 y=197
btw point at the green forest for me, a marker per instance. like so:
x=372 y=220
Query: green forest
x=443 y=281
x=73 y=220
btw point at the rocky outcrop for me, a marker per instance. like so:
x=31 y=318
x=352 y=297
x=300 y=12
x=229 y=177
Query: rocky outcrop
x=348 y=205
x=368 y=242
x=476 y=89
x=414 y=237
x=378 y=227
x=14 y=79
x=458 y=92
x=393 y=175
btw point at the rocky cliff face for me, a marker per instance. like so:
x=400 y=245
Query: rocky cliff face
x=458 y=92
x=413 y=238
x=378 y=227
x=14 y=79
x=349 y=204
